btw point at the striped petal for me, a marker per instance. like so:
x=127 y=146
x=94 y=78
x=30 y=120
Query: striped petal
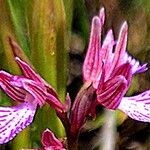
x=81 y=107
x=31 y=74
x=120 y=47
x=124 y=70
x=136 y=66
x=29 y=86
x=36 y=90
x=41 y=96
x=14 y=119
x=102 y=16
x=112 y=93
x=16 y=93
x=91 y=62
x=106 y=51
x=28 y=71
x=137 y=107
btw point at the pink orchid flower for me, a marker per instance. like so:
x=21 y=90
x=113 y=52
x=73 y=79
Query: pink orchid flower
x=110 y=69
x=31 y=91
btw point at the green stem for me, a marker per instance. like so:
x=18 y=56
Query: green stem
x=22 y=140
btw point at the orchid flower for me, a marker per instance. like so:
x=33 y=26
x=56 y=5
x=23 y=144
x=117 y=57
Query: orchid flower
x=31 y=91
x=110 y=69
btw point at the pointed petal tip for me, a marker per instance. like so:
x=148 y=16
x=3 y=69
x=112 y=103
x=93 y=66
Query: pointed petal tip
x=125 y=25
x=102 y=10
x=142 y=68
x=110 y=35
x=47 y=130
x=17 y=58
x=110 y=31
x=4 y=74
x=102 y=15
x=145 y=66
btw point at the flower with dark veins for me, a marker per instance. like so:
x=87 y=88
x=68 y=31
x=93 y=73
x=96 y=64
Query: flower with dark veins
x=110 y=69
x=31 y=91
x=52 y=96
x=81 y=108
x=107 y=73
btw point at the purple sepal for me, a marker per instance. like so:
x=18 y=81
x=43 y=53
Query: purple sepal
x=110 y=93
x=39 y=88
x=81 y=108
x=55 y=104
x=120 y=49
x=14 y=119
x=92 y=61
x=137 y=107
x=31 y=74
x=49 y=141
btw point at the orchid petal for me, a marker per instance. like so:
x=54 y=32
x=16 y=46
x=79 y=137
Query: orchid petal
x=28 y=71
x=91 y=62
x=41 y=96
x=102 y=16
x=106 y=51
x=14 y=119
x=136 y=66
x=120 y=47
x=31 y=74
x=81 y=107
x=49 y=139
x=137 y=107
x=124 y=70
x=17 y=94
x=55 y=103
x=36 y=90
x=112 y=93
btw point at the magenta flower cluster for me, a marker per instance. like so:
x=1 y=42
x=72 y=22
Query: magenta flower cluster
x=107 y=73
